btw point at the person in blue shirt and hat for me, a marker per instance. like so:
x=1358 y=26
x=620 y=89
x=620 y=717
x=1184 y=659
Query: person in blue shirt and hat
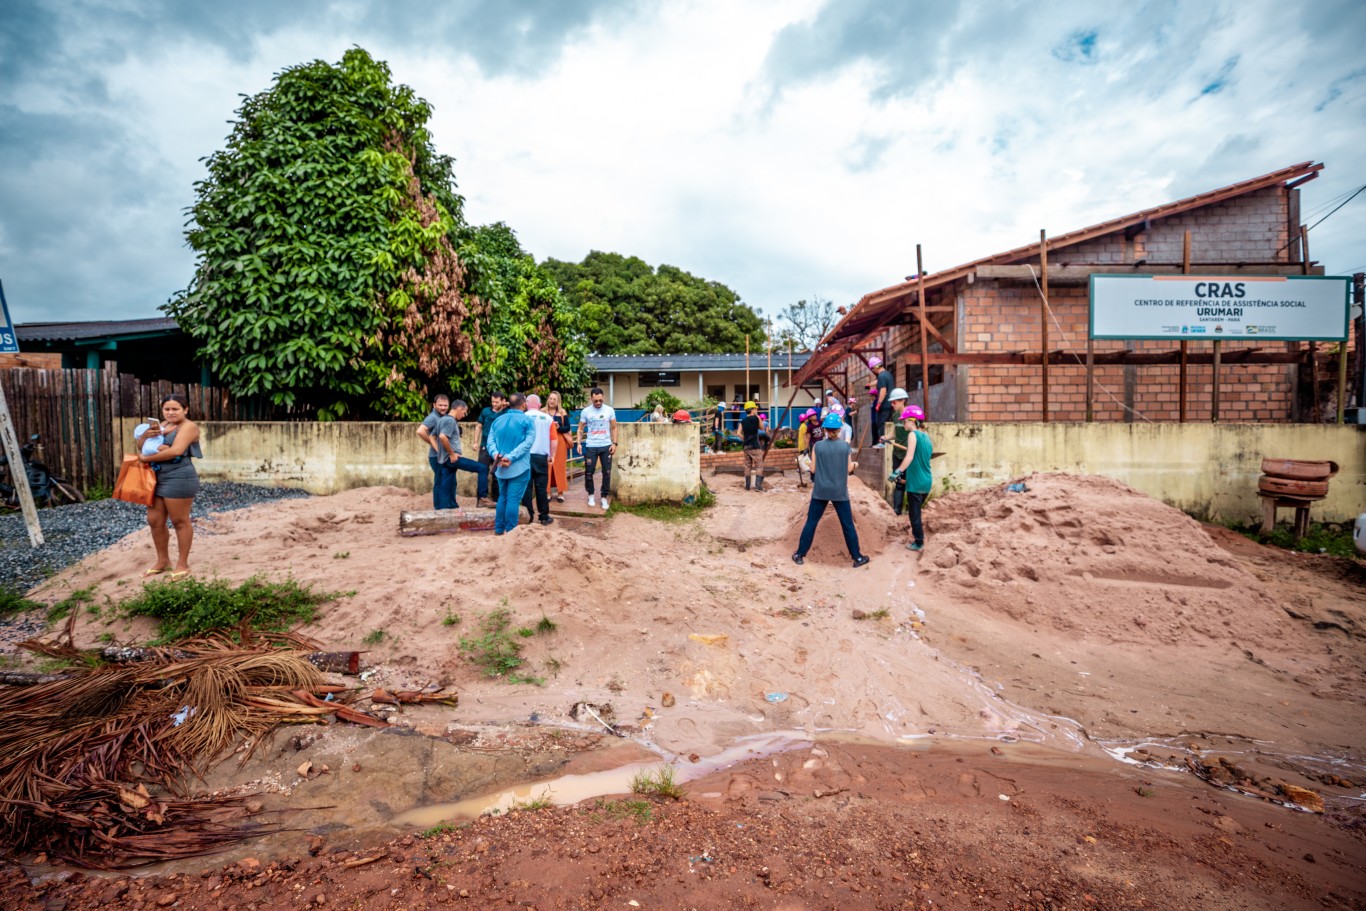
x=831 y=465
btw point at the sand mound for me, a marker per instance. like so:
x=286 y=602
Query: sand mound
x=873 y=518
x=1090 y=555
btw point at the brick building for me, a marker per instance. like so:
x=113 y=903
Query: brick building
x=986 y=325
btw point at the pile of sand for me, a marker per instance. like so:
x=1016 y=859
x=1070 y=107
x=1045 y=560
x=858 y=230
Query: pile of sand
x=1087 y=554
x=873 y=519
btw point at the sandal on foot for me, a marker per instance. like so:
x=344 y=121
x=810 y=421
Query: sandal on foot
x=179 y=574
x=155 y=572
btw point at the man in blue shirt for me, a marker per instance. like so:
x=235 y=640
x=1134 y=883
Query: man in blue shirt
x=509 y=446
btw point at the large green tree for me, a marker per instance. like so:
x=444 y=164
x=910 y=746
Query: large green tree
x=628 y=307
x=335 y=271
x=534 y=338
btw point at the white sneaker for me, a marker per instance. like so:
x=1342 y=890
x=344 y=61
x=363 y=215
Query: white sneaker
x=592 y=500
x=604 y=504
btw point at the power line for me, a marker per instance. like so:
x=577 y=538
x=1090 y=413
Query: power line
x=1325 y=218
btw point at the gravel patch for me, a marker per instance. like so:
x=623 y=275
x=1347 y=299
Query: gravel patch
x=74 y=532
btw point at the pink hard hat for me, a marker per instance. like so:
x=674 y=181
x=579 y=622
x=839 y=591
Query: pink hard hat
x=874 y=361
x=913 y=411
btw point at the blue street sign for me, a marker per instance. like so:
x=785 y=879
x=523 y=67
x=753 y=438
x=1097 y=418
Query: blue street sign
x=9 y=342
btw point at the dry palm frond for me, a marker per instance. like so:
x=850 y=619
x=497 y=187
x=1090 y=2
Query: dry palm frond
x=93 y=761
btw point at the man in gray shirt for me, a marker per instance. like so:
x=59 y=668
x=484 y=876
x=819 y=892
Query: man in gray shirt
x=450 y=458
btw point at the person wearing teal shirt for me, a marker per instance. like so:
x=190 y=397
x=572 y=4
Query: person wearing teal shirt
x=915 y=470
x=510 y=440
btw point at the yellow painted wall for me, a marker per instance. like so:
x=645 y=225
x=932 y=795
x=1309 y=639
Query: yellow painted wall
x=1207 y=470
x=1203 y=469
x=656 y=463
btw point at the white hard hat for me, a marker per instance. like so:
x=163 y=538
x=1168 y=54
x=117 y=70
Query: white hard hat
x=897 y=393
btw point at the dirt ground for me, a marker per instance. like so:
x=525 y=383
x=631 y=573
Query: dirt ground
x=1018 y=717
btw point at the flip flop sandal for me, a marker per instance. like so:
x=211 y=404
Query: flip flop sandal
x=176 y=576
x=155 y=572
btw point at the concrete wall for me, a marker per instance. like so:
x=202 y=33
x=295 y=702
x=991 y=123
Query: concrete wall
x=1207 y=470
x=1203 y=469
x=656 y=463
x=625 y=392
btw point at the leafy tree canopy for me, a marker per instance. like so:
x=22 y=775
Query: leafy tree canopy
x=334 y=269
x=628 y=307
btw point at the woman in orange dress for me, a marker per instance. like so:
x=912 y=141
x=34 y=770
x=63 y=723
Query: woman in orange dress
x=560 y=444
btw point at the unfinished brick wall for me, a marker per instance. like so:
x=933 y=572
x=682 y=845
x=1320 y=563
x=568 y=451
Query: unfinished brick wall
x=1004 y=316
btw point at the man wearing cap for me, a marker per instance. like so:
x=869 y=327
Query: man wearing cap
x=540 y=461
x=884 y=394
x=754 y=446
x=898 y=440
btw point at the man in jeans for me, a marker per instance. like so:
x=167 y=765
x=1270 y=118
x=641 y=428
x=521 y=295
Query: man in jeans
x=490 y=414
x=426 y=432
x=510 y=447
x=597 y=435
x=452 y=458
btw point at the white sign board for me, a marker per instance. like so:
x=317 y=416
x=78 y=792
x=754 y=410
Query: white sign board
x=9 y=342
x=1310 y=308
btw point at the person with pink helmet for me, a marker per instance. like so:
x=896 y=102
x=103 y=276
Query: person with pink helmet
x=915 y=471
x=883 y=413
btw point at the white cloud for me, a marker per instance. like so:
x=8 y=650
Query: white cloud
x=677 y=133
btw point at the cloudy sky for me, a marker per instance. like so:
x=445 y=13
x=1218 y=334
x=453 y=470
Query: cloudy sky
x=786 y=148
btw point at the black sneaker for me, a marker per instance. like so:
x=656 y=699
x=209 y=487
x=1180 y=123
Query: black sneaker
x=798 y=559
x=546 y=520
x=861 y=561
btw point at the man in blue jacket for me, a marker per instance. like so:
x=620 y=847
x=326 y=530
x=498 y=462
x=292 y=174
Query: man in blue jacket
x=509 y=445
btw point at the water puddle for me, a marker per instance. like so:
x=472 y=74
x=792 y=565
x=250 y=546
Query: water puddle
x=571 y=789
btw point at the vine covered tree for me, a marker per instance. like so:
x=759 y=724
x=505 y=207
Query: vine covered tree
x=328 y=235
x=628 y=307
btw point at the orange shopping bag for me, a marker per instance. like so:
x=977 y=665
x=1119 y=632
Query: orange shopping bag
x=137 y=482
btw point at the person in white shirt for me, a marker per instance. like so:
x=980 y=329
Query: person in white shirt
x=540 y=461
x=597 y=435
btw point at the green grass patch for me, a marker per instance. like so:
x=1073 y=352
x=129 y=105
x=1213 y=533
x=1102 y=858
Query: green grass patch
x=451 y=619
x=192 y=607
x=12 y=601
x=545 y=625
x=496 y=648
x=71 y=602
x=672 y=512
x=440 y=828
x=374 y=637
x=639 y=810
x=1330 y=538
x=661 y=782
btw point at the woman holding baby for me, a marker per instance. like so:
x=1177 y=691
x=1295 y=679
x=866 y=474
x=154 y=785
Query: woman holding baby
x=168 y=445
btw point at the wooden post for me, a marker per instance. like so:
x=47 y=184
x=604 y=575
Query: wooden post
x=1315 y=413
x=1181 y=383
x=18 y=476
x=924 y=335
x=789 y=377
x=1342 y=381
x=769 y=378
x=746 y=396
x=1043 y=314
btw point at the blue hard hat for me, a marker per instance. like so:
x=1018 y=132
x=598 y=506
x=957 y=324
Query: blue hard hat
x=832 y=421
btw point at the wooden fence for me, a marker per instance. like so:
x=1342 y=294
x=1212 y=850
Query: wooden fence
x=75 y=413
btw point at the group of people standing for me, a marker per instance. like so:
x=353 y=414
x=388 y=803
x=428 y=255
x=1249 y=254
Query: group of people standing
x=523 y=453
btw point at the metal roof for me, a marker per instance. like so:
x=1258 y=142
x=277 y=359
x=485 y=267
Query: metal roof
x=878 y=308
x=630 y=363
x=102 y=329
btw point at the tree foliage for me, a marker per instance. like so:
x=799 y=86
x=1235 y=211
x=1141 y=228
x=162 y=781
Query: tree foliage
x=534 y=340
x=628 y=307
x=325 y=274
x=805 y=323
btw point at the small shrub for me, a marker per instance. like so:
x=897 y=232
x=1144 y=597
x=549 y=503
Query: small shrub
x=545 y=625
x=662 y=782
x=639 y=810
x=374 y=637
x=98 y=492
x=525 y=632
x=494 y=649
x=440 y=828
x=71 y=602
x=192 y=607
x=451 y=619
x=12 y=601
x=1329 y=539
